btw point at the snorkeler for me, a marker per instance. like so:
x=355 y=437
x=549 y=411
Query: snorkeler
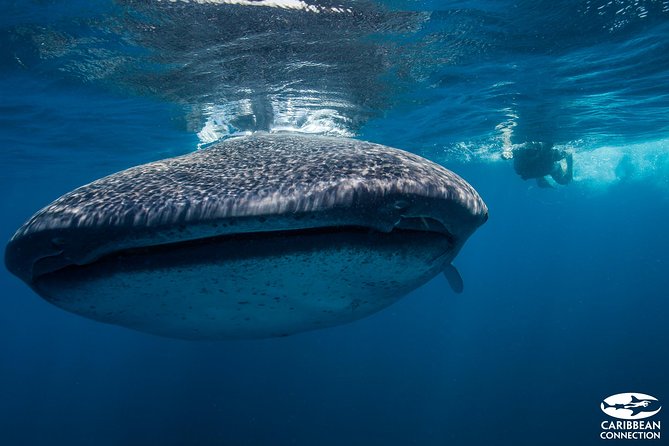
x=539 y=160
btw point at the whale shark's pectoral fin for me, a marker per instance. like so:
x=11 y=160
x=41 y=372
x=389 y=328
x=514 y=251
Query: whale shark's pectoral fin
x=454 y=278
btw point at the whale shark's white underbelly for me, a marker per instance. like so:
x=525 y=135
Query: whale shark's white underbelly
x=251 y=287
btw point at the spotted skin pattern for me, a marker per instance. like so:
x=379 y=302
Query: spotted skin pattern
x=258 y=236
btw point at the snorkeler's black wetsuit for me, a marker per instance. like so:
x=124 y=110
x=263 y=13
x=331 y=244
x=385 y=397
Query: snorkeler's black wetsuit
x=535 y=159
x=540 y=159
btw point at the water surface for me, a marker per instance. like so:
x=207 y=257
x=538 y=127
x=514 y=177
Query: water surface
x=565 y=299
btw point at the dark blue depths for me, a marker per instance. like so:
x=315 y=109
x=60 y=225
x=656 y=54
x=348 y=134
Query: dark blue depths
x=565 y=300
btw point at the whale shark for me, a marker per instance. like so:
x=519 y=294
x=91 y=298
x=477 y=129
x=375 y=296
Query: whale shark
x=258 y=236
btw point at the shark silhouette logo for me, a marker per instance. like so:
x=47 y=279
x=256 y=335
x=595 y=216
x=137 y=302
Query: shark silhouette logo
x=631 y=406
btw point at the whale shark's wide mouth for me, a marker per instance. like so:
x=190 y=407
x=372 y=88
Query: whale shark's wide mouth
x=53 y=264
x=260 y=238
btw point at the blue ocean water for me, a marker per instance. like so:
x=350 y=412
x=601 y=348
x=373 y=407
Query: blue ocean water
x=565 y=300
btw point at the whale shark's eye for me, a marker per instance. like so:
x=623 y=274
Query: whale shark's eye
x=58 y=242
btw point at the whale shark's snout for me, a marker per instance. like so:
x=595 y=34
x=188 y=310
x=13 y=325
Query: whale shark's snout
x=258 y=236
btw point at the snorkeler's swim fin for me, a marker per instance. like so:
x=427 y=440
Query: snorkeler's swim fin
x=563 y=172
x=570 y=166
x=454 y=278
x=543 y=182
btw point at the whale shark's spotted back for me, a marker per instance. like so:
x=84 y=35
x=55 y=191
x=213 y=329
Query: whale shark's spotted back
x=258 y=175
x=233 y=198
